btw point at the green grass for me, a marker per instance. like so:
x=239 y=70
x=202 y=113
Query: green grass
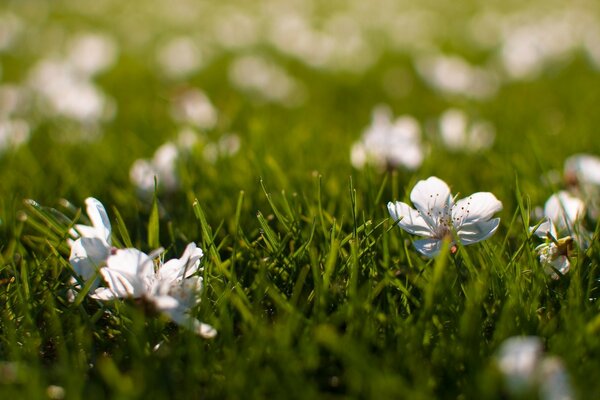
x=313 y=291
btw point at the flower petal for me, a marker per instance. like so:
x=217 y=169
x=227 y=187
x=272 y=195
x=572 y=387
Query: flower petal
x=99 y=218
x=561 y=264
x=477 y=231
x=87 y=255
x=129 y=272
x=432 y=199
x=545 y=228
x=480 y=206
x=428 y=247
x=564 y=210
x=408 y=219
x=184 y=267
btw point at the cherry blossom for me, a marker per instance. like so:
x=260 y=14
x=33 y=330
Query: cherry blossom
x=438 y=217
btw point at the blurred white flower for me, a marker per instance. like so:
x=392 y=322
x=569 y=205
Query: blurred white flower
x=193 y=107
x=454 y=75
x=226 y=146
x=565 y=211
x=518 y=359
x=460 y=134
x=173 y=289
x=91 y=53
x=527 y=370
x=13 y=133
x=389 y=144
x=555 y=383
x=162 y=166
x=65 y=92
x=582 y=169
x=179 y=57
x=266 y=80
x=437 y=217
x=531 y=43
x=234 y=29
x=582 y=174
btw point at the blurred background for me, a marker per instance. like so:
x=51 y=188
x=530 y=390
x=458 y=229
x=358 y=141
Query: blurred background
x=97 y=98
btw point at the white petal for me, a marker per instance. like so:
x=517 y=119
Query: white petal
x=202 y=329
x=164 y=302
x=99 y=218
x=564 y=210
x=129 y=271
x=87 y=255
x=432 y=199
x=545 y=228
x=562 y=264
x=428 y=247
x=84 y=231
x=409 y=219
x=584 y=167
x=121 y=284
x=105 y=294
x=477 y=231
x=184 y=267
x=480 y=206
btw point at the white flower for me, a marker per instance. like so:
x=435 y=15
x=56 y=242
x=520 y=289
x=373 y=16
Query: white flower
x=192 y=106
x=582 y=169
x=526 y=368
x=386 y=143
x=438 y=217
x=93 y=244
x=564 y=210
x=173 y=288
x=554 y=253
x=458 y=133
x=582 y=174
x=163 y=166
x=518 y=359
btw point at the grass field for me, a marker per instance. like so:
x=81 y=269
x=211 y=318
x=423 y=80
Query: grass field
x=244 y=127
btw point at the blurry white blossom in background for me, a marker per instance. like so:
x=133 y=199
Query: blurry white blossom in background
x=459 y=133
x=266 y=80
x=388 y=143
x=527 y=370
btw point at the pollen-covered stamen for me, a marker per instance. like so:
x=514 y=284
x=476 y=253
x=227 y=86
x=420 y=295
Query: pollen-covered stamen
x=461 y=212
x=438 y=215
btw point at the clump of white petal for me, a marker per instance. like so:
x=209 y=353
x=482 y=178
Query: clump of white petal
x=65 y=84
x=180 y=57
x=454 y=75
x=438 y=218
x=91 y=53
x=91 y=244
x=388 y=143
x=194 y=108
x=554 y=253
x=266 y=80
x=173 y=288
x=227 y=145
x=527 y=370
x=64 y=91
x=162 y=167
x=459 y=133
